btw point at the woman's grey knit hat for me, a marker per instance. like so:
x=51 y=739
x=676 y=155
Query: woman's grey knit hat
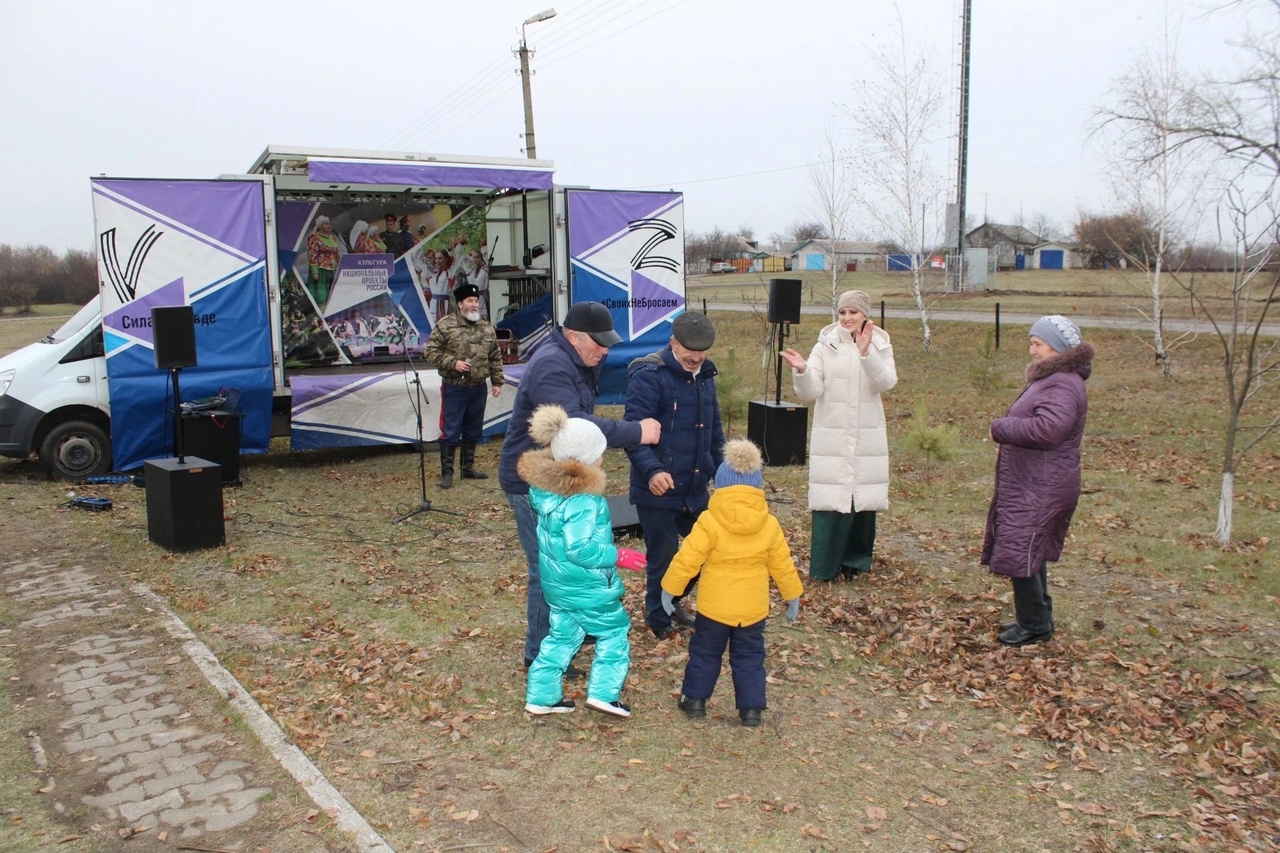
x=1057 y=331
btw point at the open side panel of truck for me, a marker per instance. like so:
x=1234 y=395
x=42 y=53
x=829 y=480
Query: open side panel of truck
x=626 y=250
x=177 y=243
x=371 y=248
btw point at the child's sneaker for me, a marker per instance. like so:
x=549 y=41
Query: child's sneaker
x=618 y=709
x=564 y=706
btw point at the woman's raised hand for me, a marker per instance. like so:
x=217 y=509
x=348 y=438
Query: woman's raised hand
x=863 y=338
x=795 y=359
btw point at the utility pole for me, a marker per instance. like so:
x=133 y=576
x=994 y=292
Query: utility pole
x=962 y=160
x=530 y=145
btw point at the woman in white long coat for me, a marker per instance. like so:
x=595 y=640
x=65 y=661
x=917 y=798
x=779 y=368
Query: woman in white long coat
x=850 y=367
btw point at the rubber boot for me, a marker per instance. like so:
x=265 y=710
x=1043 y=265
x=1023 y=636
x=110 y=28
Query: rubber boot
x=469 y=471
x=447 y=452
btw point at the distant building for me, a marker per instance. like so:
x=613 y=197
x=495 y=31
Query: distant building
x=1056 y=255
x=766 y=261
x=1010 y=245
x=847 y=255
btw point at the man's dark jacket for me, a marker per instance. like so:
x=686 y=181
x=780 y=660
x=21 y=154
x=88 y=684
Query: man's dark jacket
x=692 y=443
x=555 y=374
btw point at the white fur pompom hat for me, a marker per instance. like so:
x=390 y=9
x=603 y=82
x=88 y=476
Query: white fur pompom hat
x=742 y=466
x=568 y=438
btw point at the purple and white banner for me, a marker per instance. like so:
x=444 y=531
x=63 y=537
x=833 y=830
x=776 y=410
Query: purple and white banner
x=626 y=250
x=428 y=174
x=175 y=243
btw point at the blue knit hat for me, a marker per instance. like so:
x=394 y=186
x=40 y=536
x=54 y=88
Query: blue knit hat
x=742 y=466
x=1057 y=331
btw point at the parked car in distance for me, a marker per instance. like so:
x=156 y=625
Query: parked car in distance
x=723 y=267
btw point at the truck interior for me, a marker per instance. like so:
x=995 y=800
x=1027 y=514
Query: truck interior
x=442 y=223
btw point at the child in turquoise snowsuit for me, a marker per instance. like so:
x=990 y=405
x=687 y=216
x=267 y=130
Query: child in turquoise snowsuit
x=576 y=564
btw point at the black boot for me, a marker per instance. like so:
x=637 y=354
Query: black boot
x=447 y=452
x=469 y=471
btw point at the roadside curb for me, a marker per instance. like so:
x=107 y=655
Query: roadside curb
x=295 y=763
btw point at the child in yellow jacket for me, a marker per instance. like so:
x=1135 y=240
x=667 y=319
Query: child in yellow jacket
x=737 y=546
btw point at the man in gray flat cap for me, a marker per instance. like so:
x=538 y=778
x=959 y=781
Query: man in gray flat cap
x=677 y=386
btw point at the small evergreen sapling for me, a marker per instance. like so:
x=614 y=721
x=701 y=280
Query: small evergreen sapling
x=937 y=443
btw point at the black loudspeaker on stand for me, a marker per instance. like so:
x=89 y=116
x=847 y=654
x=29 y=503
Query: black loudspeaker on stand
x=784 y=300
x=173 y=339
x=184 y=495
x=173 y=332
x=780 y=429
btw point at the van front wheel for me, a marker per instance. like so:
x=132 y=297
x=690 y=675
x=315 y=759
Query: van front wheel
x=75 y=450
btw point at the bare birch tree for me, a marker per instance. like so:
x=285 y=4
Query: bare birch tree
x=1238 y=116
x=1250 y=362
x=899 y=187
x=831 y=203
x=1156 y=177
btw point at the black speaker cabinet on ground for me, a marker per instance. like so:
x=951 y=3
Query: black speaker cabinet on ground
x=215 y=435
x=173 y=333
x=184 y=504
x=784 y=300
x=623 y=514
x=780 y=429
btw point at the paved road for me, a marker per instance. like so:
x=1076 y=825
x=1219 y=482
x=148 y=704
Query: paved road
x=1008 y=318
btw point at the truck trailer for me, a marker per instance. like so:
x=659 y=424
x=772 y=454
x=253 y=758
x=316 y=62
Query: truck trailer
x=313 y=281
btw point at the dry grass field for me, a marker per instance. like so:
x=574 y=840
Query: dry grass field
x=391 y=652
x=1082 y=293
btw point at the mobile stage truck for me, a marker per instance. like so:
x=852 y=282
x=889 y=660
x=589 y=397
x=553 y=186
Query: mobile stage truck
x=320 y=325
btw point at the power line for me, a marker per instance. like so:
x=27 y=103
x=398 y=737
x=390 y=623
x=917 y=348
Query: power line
x=611 y=35
x=489 y=79
x=424 y=121
x=569 y=23
x=478 y=85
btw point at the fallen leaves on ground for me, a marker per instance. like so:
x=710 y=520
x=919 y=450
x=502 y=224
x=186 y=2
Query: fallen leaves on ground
x=1086 y=698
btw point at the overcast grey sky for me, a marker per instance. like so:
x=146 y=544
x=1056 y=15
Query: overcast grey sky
x=725 y=101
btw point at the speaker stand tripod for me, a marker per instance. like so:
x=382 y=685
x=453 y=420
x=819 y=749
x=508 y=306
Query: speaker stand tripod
x=780 y=429
x=419 y=403
x=781 y=331
x=178 y=430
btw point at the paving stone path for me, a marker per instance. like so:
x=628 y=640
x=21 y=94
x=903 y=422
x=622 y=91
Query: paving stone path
x=136 y=739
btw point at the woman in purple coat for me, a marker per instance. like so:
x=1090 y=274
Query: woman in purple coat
x=1038 y=474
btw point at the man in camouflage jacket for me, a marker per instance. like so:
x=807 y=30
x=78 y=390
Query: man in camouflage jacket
x=464 y=349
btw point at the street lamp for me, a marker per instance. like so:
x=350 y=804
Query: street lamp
x=530 y=148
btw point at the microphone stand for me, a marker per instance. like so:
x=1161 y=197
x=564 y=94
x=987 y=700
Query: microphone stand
x=424 y=505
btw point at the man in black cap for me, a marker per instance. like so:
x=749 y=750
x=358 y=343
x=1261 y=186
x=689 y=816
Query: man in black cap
x=676 y=384
x=464 y=349
x=564 y=370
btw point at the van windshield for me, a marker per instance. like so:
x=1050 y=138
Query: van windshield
x=76 y=325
